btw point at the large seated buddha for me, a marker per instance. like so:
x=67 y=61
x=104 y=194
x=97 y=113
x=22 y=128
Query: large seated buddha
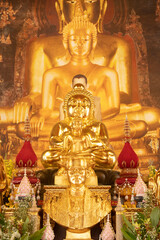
x=47 y=52
x=104 y=59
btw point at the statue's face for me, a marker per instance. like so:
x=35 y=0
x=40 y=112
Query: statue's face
x=77 y=175
x=91 y=6
x=80 y=42
x=79 y=107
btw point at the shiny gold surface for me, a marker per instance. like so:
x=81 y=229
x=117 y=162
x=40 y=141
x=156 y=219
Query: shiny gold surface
x=107 y=66
x=79 y=134
x=79 y=211
x=77 y=144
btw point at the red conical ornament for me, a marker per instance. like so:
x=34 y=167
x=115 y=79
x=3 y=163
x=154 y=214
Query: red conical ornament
x=127 y=158
x=26 y=157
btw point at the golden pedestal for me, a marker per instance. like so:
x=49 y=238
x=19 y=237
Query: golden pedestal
x=78 y=214
x=72 y=235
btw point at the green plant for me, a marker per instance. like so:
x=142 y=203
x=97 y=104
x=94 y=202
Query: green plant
x=145 y=225
x=19 y=226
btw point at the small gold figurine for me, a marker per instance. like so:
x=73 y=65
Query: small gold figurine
x=79 y=132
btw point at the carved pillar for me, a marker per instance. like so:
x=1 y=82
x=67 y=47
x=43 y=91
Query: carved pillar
x=119 y=211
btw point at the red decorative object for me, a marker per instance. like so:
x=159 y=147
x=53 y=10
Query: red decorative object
x=128 y=162
x=128 y=158
x=26 y=157
x=120 y=181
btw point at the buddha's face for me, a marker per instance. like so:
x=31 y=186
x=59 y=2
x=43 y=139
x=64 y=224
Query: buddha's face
x=80 y=42
x=77 y=175
x=91 y=6
x=79 y=107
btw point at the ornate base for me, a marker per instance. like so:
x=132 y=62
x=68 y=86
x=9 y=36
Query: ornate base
x=62 y=207
x=72 y=235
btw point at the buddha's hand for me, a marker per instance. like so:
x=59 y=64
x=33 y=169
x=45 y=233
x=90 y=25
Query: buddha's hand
x=87 y=142
x=68 y=142
x=37 y=123
x=103 y=155
x=21 y=110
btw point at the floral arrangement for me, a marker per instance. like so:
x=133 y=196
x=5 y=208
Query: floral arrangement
x=146 y=223
x=19 y=226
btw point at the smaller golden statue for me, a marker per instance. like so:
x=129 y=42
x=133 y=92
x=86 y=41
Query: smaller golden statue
x=79 y=132
x=77 y=144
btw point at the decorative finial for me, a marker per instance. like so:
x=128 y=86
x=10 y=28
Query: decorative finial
x=48 y=233
x=119 y=204
x=140 y=187
x=27 y=129
x=25 y=188
x=34 y=204
x=127 y=130
x=107 y=232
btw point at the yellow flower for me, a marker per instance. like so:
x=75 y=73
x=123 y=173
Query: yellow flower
x=136 y=225
x=147 y=221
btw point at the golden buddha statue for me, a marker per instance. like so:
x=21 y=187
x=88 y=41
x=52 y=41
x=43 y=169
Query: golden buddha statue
x=48 y=52
x=79 y=38
x=79 y=134
x=77 y=144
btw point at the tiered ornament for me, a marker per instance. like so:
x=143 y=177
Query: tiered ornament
x=48 y=233
x=25 y=188
x=26 y=158
x=107 y=232
x=140 y=187
x=128 y=162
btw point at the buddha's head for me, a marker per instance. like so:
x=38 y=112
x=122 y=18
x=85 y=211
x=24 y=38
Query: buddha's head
x=95 y=10
x=80 y=36
x=79 y=104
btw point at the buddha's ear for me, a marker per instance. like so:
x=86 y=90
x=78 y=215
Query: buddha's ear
x=101 y=16
x=65 y=44
x=60 y=15
x=94 y=43
x=103 y=9
x=64 y=112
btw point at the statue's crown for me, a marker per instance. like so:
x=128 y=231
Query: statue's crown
x=80 y=20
